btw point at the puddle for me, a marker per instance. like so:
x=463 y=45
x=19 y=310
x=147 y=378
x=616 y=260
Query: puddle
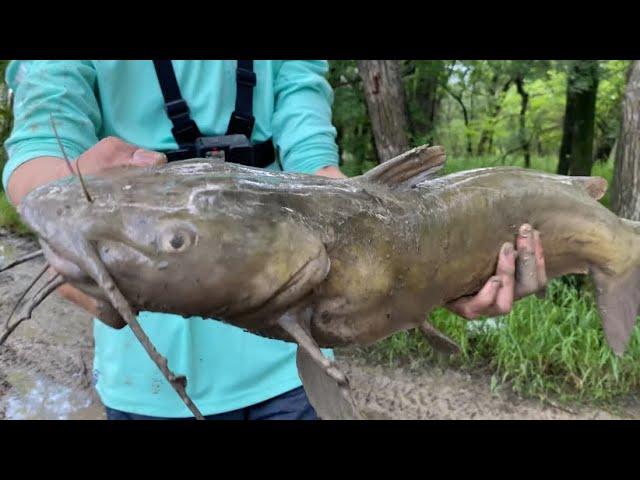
x=484 y=326
x=8 y=253
x=34 y=397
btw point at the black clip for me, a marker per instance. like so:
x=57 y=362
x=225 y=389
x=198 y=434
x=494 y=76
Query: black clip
x=185 y=129
x=241 y=124
x=245 y=77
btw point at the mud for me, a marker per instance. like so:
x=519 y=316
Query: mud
x=46 y=365
x=385 y=393
x=46 y=370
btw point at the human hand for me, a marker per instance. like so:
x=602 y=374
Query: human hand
x=112 y=152
x=107 y=154
x=520 y=272
x=331 y=172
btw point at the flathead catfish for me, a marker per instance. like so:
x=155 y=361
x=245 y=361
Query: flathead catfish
x=326 y=262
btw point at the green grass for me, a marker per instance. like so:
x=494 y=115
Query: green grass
x=544 y=348
x=9 y=217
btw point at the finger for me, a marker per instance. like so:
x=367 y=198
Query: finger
x=526 y=273
x=109 y=315
x=506 y=272
x=113 y=152
x=540 y=267
x=79 y=298
x=475 y=306
x=97 y=308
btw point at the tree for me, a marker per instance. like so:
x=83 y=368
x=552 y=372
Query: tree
x=625 y=195
x=611 y=89
x=423 y=89
x=458 y=75
x=5 y=114
x=385 y=98
x=495 y=91
x=576 y=150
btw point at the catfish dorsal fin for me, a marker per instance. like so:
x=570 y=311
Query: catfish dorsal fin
x=409 y=169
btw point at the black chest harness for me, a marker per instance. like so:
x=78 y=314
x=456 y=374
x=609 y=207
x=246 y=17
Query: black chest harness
x=235 y=146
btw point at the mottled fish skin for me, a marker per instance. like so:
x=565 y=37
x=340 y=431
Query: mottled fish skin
x=370 y=255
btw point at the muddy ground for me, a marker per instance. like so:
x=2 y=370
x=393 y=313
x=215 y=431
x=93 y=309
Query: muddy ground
x=46 y=370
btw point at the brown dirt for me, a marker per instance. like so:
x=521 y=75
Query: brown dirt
x=46 y=365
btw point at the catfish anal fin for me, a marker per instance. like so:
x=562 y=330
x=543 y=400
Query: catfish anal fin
x=438 y=340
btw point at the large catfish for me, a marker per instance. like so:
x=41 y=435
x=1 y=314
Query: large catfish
x=324 y=262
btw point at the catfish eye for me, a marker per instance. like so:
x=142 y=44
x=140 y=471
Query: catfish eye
x=175 y=240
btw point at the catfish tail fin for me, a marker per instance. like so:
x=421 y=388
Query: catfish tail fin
x=618 y=298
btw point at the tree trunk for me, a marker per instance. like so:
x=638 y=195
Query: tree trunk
x=569 y=118
x=427 y=97
x=386 y=105
x=524 y=141
x=576 y=151
x=625 y=191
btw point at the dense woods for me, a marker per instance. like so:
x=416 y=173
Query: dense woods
x=506 y=110
x=569 y=113
x=497 y=112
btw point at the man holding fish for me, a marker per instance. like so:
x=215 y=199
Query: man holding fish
x=140 y=113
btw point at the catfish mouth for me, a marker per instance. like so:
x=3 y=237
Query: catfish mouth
x=68 y=269
x=79 y=278
x=71 y=272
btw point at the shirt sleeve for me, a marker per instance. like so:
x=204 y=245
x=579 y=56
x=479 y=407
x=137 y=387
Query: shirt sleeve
x=302 y=128
x=65 y=90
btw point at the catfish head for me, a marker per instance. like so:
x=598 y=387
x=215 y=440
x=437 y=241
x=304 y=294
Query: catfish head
x=177 y=245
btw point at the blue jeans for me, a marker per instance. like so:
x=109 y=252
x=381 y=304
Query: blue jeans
x=292 y=405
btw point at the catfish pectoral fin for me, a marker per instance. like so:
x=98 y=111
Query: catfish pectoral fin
x=325 y=385
x=330 y=399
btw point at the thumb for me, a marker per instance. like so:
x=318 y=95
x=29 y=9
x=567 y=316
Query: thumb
x=144 y=158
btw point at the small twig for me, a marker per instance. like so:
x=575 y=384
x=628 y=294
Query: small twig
x=97 y=270
x=24 y=294
x=558 y=406
x=46 y=290
x=26 y=258
x=64 y=154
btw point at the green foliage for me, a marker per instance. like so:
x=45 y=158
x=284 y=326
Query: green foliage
x=5 y=115
x=487 y=91
x=355 y=138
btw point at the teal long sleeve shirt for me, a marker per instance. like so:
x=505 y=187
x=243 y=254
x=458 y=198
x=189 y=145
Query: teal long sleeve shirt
x=227 y=368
